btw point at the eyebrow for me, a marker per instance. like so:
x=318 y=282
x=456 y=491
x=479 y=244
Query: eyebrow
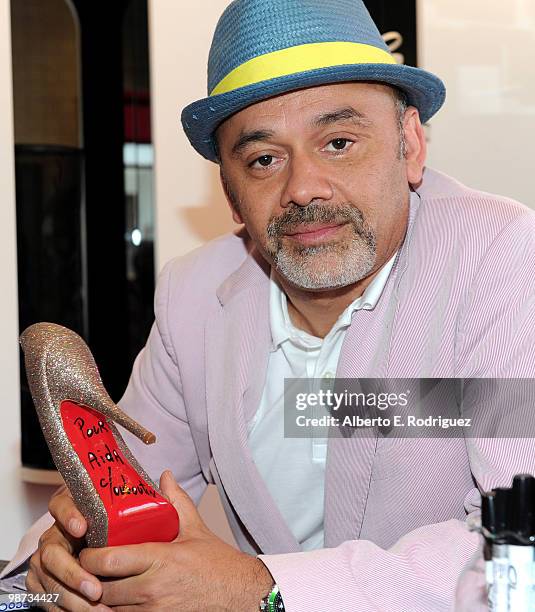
x=347 y=113
x=249 y=137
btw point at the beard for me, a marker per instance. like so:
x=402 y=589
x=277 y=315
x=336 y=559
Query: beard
x=332 y=264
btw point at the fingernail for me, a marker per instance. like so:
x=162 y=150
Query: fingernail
x=75 y=525
x=89 y=589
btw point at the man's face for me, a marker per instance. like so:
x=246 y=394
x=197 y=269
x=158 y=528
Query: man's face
x=319 y=179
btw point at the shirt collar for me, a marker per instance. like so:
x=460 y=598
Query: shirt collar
x=283 y=329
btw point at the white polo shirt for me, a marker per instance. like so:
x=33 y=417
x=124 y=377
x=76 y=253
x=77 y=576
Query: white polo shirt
x=294 y=469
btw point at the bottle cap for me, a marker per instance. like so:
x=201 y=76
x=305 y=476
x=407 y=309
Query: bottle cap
x=501 y=513
x=522 y=505
x=488 y=512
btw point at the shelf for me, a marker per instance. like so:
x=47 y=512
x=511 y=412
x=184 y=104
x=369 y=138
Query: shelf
x=42 y=477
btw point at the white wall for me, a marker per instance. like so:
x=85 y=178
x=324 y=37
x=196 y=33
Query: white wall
x=21 y=503
x=10 y=515
x=483 y=49
x=190 y=208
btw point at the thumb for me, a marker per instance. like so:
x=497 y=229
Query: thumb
x=187 y=511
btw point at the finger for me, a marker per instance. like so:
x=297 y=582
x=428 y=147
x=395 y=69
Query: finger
x=187 y=511
x=67 y=515
x=71 y=600
x=33 y=586
x=133 y=591
x=118 y=561
x=57 y=536
x=67 y=599
x=58 y=563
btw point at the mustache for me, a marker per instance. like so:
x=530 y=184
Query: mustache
x=319 y=213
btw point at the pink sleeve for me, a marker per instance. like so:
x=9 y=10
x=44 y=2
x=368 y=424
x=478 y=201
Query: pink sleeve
x=154 y=398
x=419 y=573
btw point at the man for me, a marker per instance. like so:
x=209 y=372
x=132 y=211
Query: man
x=354 y=260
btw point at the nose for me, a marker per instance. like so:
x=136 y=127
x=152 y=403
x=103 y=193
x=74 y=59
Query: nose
x=306 y=181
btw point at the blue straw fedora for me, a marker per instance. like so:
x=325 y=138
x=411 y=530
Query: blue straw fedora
x=263 y=48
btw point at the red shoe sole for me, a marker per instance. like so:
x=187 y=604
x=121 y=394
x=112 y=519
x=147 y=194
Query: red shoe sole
x=136 y=512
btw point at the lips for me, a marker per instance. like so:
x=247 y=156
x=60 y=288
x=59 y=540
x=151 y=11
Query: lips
x=314 y=232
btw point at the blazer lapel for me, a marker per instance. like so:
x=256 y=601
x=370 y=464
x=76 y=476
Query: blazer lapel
x=349 y=459
x=237 y=340
x=364 y=354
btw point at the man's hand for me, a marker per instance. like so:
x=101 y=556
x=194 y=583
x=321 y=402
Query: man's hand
x=54 y=568
x=196 y=572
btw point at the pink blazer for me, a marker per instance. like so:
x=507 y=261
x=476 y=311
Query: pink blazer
x=459 y=303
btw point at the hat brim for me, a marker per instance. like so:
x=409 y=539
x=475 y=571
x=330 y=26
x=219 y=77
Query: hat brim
x=200 y=119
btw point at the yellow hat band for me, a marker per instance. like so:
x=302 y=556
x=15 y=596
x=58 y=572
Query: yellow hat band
x=301 y=59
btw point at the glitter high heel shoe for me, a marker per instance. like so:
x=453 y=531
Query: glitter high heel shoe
x=118 y=499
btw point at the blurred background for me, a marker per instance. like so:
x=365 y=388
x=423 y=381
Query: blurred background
x=100 y=186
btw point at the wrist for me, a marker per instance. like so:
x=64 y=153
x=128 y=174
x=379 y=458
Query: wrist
x=256 y=582
x=271 y=601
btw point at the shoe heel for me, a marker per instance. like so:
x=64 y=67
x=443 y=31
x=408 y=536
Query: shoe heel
x=121 y=503
x=65 y=360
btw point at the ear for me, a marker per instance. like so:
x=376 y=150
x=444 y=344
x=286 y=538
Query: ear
x=416 y=146
x=231 y=200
